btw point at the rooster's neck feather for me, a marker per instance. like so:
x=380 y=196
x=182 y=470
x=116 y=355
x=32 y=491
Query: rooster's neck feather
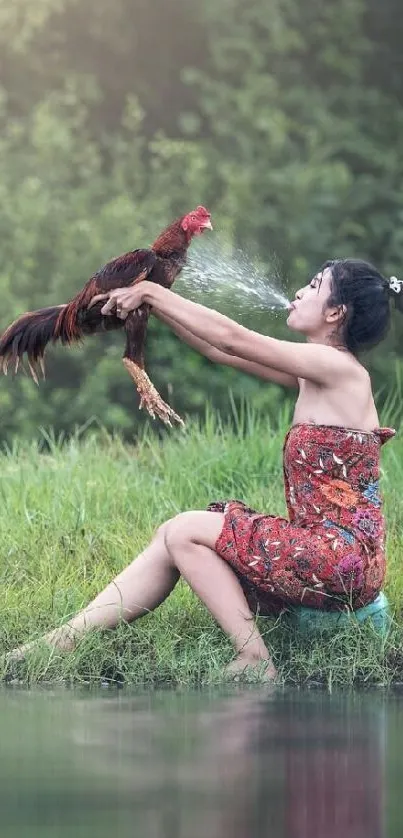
x=171 y=240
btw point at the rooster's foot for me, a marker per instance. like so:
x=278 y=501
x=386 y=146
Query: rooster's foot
x=149 y=396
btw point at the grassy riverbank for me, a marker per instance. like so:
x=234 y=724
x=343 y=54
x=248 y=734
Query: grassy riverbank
x=73 y=515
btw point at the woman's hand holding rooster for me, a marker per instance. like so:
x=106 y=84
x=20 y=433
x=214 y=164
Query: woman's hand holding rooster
x=121 y=301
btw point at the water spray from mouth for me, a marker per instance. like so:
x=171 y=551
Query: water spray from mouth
x=227 y=278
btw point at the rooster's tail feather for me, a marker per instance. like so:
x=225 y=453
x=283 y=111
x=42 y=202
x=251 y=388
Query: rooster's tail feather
x=30 y=335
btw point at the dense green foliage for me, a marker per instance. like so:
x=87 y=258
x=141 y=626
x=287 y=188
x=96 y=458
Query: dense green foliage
x=72 y=517
x=285 y=119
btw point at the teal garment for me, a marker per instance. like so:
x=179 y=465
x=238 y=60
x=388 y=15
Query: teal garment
x=312 y=619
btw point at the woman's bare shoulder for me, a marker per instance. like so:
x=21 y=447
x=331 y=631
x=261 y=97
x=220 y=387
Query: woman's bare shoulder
x=347 y=401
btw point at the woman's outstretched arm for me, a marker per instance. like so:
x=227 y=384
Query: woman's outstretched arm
x=218 y=357
x=313 y=361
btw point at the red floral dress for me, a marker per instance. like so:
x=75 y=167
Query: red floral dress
x=331 y=550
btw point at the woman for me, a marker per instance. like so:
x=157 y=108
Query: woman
x=330 y=553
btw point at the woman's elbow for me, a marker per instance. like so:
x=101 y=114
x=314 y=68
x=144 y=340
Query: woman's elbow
x=228 y=342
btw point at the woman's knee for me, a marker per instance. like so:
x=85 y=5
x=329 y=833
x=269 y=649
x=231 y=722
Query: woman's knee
x=194 y=527
x=162 y=530
x=174 y=526
x=178 y=529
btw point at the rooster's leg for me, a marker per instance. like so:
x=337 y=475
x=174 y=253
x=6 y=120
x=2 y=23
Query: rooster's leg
x=149 y=396
x=133 y=359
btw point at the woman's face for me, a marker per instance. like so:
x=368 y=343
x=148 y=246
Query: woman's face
x=309 y=313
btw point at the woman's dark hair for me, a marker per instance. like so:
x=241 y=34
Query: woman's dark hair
x=366 y=294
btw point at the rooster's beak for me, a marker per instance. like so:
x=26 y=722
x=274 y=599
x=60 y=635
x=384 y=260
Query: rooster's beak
x=207 y=225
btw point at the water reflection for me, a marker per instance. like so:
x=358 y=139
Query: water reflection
x=239 y=764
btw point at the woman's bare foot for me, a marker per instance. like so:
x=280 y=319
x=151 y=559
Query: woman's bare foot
x=61 y=639
x=245 y=667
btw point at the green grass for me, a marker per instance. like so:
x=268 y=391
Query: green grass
x=74 y=513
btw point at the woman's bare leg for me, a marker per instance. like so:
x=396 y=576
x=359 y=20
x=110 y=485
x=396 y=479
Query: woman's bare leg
x=183 y=546
x=143 y=585
x=191 y=538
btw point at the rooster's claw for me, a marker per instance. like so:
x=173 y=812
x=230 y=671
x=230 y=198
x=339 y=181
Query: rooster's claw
x=149 y=396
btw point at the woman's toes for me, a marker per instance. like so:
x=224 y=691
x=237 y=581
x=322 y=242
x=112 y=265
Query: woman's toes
x=244 y=668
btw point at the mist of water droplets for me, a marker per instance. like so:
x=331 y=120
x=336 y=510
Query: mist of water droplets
x=225 y=278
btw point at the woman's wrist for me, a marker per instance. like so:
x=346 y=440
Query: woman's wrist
x=152 y=293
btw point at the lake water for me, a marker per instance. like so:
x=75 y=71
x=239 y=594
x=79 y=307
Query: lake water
x=222 y=764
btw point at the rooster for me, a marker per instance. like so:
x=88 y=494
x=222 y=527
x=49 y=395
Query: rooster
x=73 y=321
